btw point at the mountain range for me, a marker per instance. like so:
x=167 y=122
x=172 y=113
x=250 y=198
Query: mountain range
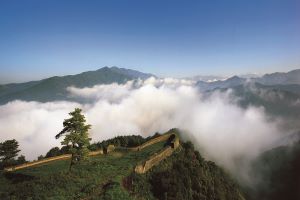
x=277 y=93
x=54 y=88
x=282 y=79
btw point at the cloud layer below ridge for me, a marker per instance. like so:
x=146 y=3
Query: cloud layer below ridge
x=222 y=130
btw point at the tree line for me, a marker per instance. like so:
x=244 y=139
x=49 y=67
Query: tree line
x=9 y=150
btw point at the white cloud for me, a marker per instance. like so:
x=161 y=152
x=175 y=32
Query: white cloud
x=33 y=124
x=223 y=131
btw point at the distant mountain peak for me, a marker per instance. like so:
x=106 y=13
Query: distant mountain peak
x=131 y=72
x=233 y=78
x=54 y=88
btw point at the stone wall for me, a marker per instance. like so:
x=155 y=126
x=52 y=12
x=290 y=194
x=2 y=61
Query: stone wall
x=157 y=158
x=108 y=149
x=151 y=142
x=154 y=160
x=30 y=164
x=39 y=162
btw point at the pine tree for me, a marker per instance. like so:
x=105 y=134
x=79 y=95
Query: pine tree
x=8 y=151
x=76 y=136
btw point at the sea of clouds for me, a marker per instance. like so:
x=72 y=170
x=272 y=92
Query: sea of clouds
x=223 y=131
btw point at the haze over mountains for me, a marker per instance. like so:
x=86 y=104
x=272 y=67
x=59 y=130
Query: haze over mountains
x=277 y=93
x=54 y=88
x=289 y=78
x=232 y=122
x=119 y=93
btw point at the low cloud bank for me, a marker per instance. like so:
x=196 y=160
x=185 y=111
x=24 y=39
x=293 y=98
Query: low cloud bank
x=223 y=131
x=33 y=124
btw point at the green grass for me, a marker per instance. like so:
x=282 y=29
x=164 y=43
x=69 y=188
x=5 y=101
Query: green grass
x=99 y=177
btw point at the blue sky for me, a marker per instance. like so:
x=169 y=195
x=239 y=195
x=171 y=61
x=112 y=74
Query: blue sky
x=166 y=37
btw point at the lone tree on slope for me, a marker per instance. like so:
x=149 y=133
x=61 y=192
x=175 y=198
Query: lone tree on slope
x=76 y=136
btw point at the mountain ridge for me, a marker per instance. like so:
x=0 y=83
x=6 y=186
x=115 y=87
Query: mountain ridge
x=53 y=88
x=277 y=78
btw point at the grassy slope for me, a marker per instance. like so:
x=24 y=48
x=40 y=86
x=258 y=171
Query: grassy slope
x=100 y=177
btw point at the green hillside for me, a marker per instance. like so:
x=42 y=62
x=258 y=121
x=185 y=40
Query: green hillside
x=184 y=175
x=277 y=172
